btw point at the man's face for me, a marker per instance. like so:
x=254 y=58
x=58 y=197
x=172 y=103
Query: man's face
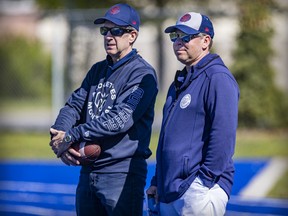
x=189 y=52
x=118 y=45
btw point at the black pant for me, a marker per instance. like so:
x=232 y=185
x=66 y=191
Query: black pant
x=110 y=194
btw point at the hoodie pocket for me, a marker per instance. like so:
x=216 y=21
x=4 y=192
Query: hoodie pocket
x=185 y=167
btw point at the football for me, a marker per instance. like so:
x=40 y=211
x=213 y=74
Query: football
x=89 y=152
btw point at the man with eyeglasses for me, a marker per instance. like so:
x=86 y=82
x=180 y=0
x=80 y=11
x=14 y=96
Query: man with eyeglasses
x=114 y=107
x=194 y=169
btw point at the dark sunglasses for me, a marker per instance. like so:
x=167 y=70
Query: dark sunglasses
x=184 y=37
x=115 y=31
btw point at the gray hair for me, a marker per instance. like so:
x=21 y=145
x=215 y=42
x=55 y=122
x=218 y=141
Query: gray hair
x=203 y=35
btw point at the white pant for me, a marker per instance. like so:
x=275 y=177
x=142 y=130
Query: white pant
x=198 y=200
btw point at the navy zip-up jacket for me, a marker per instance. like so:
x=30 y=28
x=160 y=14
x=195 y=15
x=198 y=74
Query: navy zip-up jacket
x=114 y=107
x=198 y=131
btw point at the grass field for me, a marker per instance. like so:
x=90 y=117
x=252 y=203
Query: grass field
x=250 y=144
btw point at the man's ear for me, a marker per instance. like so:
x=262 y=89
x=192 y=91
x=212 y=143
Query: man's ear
x=133 y=37
x=206 y=41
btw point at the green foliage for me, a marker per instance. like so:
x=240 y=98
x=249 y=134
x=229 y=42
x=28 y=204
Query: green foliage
x=280 y=189
x=249 y=143
x=76 y=4
x=91 y=4
x=25 y=146
x=261 y=103
x=261 y=144
x=25 y=69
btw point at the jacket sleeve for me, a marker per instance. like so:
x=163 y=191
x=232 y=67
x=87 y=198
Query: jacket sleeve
x=130 y=105
x=222 y=112
x=71 y=113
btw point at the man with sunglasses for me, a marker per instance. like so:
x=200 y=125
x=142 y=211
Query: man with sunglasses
x=194 y=170
x=114 y=107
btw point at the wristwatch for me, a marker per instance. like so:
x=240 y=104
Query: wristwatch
x=67 y=138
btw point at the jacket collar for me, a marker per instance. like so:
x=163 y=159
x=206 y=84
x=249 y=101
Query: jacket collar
x=122 y=61
x=206 y=62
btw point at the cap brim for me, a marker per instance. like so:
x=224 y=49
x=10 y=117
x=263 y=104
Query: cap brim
x=115 y=21
x=183 y=28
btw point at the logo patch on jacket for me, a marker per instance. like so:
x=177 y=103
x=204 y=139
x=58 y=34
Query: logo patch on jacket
x=103 y=92
x=185 y=101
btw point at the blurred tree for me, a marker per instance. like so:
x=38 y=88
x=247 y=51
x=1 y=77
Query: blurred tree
x=25 y=69
x=74 y=4
x=85 y=4
x=261 y=103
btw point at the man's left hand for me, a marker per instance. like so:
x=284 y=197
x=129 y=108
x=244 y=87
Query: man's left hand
x=69 y=159
x=57 y=144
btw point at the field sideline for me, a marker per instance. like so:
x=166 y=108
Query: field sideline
x=250 y=144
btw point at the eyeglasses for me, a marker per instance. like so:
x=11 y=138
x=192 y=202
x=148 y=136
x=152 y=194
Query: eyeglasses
x=115 y=31
x=184 y=37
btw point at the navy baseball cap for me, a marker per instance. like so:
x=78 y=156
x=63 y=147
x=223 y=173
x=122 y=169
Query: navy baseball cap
x=193 y=23
x=121 y=15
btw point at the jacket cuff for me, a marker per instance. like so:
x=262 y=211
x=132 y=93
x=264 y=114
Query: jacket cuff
x=74 y=134
x=153 y=181
x=208 y=180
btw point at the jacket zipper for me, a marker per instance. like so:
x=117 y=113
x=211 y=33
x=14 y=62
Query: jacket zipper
x=164 y=131
x=170 y=114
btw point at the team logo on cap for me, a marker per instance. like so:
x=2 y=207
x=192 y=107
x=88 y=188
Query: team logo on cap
x=185 y=18
x=115 y=10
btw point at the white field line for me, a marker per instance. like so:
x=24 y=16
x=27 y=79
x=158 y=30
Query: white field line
x=260 y=185
x=23 y=186
x=28 y=197
x=259 y=202
x=31 y=210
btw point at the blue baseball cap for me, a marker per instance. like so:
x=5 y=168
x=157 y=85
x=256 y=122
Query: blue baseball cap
x=193 y=23
x=121 y=15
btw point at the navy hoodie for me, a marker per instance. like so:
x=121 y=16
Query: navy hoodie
x=114 y=107
x=198 y=130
